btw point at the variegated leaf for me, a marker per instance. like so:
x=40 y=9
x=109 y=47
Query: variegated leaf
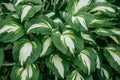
x=76 y=5
x=46 y=46
x=30 y=72
x=40 y=24
x=27 y=11
x=105 y=72
x=10 y=31
x=75 y=75
x=67 y=42
x=112 y=54
x=77 y=20
x=26 y=52
x=103 y=7
x=58 y=65
x=86 y=61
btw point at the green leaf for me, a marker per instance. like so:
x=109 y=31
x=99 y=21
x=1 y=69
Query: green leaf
x=30 y=72
x=74 y=6
x=27 y=11
x=75 y=75
x=68 y=42
x=105 y=72
x=79 y=21
x=46 y=46
x=10 y=31
x=39 y=24
x=25 y=51
x=1 y=56
x=86 y=61
x=112 y=54
x=57 y=65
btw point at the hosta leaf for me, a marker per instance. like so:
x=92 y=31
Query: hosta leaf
x=105 y=72
x=40 y=24
x=105 y=22
x=88 y=37
x=103 y=7
x=75 y=75
x=76 y=5
x=115 y=38
x=67 y=42
x=9 y=6
x=30 y=72
x=86 y=61
x=79 y=22
x=112 y=54
x=57 y=65
x=1 y=56
x=10 y=31
x=103 y=32
x=46 y=46
x=25 y=51
x=27 y=11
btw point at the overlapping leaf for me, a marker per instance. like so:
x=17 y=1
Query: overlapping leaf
x=86 y=61
x=68 y=42
x=10 y=30
x=112 y=54
x=26 y=11
x=40 y=24
x=75 y=75
x=80 y=21
x=57 y=65
x=30 y=72
x=25 y=51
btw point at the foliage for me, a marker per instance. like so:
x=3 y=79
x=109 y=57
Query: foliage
x=59 y=40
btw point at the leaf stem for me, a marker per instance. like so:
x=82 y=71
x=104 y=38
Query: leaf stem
x=8 y=64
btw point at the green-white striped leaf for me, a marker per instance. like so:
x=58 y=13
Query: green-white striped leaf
x=75 y=75
x=57 y=65
x=27 y=11
x=9 y=6
x=87 y=37
x=103 y=32
x=46 y=46
x=105 y=22
x=1 y=56
x=86 y=61
x=10 y=31
x=100 y=1
x=30 y=72
x=75 y=5
x=103 y=7
x=105 y=72
x=79 y=22
x=112 y=54
x=25 y=51
x=68 y=42
x=40 y=24
x=76 y=20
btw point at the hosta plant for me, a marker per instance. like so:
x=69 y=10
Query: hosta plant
x=59 y=40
